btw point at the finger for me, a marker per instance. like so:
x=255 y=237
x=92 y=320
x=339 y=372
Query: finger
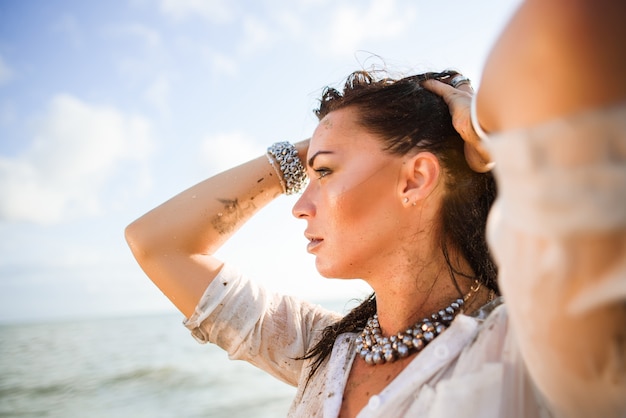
x=466 y=87
x=437 y=87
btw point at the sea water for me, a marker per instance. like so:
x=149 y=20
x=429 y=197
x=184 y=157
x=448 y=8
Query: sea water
x=142 y=366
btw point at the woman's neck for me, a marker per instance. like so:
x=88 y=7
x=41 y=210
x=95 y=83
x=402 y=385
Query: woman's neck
x=408 y=295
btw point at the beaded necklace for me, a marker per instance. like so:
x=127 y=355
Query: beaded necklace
x=376 y=349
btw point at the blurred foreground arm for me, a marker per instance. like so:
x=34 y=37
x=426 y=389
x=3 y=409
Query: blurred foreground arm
x=554 y=58
x=565 y=287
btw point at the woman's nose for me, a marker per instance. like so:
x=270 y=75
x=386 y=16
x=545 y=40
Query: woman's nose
x=303 y=207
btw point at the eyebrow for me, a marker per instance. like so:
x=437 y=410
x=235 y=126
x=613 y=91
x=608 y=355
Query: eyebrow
x=312 y=159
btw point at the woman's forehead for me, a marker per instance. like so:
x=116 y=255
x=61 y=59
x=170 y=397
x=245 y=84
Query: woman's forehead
x=339 y=129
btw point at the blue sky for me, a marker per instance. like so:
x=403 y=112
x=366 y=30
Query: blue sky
x=109 y=108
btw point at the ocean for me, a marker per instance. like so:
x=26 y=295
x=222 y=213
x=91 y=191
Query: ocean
x=142 y=366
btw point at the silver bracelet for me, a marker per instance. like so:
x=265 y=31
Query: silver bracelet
x=293 y=173
x=475 y=124
x=273 y=163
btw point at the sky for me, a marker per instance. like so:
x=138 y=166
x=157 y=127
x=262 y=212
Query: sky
x=109 y=108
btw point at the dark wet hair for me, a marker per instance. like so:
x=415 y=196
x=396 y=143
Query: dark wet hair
x=406 y=117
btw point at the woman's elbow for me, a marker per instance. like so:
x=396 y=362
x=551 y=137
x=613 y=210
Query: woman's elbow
x=136 y=236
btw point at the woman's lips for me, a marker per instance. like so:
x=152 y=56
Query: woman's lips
x=314 y=243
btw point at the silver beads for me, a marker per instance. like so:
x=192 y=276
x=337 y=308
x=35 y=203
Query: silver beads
x=375 y=348
x=293 y=173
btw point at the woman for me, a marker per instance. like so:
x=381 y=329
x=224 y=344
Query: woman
x=553 y=98
x=391 y=200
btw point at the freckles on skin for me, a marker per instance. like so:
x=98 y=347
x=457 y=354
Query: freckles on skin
x=361 y=221
x=354 y=208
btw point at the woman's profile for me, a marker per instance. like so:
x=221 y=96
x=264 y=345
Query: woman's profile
x=390 y=200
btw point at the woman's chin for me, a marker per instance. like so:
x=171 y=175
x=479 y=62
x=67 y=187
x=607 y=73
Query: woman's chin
x=331 y=271
x=324 y=269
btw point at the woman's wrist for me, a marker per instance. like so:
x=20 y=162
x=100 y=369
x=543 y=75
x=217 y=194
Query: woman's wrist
x=284 y=158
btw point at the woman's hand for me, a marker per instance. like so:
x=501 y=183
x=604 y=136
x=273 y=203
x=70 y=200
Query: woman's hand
x=459 y=102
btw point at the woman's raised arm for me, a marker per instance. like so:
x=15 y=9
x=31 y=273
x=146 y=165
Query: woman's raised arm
x=175 y=242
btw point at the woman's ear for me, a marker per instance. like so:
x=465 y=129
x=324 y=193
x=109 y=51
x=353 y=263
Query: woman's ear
x=420 y=176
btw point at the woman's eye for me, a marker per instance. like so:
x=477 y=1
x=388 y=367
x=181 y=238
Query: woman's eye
x=322 y=172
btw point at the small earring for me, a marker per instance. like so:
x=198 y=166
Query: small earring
x=406 y=200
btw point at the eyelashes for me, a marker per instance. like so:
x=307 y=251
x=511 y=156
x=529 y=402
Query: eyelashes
x=322 y=172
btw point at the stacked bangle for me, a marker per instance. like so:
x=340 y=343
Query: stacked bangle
x=283 y=156
x=484 y=137
x=475 y=124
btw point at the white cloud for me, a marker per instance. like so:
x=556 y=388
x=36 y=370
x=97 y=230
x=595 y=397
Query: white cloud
x=215 y=11
x=148 y=36
x=6 y=74
x=256 y=36
x=77 y=148
x=226 y=150
x=7 y=112
x=222 y=64
x=157 y=94
x=351 y=26
x=139 y=47
x=291 y=23
x=68 y=25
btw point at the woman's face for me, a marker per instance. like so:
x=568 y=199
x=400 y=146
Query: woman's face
x=352 y=204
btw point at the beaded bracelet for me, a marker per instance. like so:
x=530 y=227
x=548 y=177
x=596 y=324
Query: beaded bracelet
x=292 y=176
x=474 y=119
x=482 y=135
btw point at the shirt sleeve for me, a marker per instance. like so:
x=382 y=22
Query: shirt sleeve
x=558 y=234
x=250 y=323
